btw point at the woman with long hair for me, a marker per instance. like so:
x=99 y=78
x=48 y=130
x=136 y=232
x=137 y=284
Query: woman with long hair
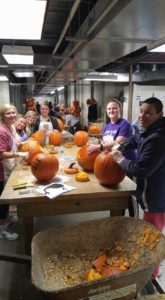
x=8 y=154
x=116 y=131
x=20 y=126
x=45 y=121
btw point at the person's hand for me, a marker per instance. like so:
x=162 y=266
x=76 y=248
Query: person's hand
x=117 y=156
x=92 y=148
x=23 y=154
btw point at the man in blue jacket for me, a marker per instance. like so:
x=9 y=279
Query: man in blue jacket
x=149 y=166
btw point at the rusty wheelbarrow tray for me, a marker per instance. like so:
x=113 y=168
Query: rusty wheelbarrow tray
x=73 y=242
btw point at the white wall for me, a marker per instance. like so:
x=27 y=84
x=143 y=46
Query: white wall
x=140 y=93
x=4 y=92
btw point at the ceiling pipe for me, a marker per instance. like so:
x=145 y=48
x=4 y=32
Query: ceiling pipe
x=67 y=24
x=91 y=33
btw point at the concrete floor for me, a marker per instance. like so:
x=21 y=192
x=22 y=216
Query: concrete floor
x=14 y=284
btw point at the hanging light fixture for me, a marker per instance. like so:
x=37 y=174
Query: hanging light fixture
x=154 y=67
x=137 y=70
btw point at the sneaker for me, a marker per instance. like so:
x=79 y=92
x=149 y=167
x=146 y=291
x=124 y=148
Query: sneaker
x=8 y=234
x=12 y=219
x=149 y=287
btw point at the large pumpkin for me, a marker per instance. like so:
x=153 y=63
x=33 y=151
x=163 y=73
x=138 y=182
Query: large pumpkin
x=81 y=138
x=55 y=138
x=107 y=171
x=44 y=166
x=33 y=147
x=85 y=160
x=40 y=137
x=94 y=129
x=60 y=124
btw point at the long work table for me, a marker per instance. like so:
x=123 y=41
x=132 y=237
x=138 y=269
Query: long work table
x=86 y=197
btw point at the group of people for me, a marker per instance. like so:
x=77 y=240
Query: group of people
x=142 y=156
x=15 y=129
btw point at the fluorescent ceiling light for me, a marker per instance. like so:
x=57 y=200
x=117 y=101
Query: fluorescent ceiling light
x=60 y=88
x=21 y=19
x=23 y=74
x=52 y=92
x=3 y=78
x=19 y=59
x=113 y=77
x=18 y=55
x=158 y=49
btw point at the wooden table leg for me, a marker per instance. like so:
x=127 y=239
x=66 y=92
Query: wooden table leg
x=28 y=233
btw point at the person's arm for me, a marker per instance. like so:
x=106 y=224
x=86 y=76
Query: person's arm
x=108 y=146
x=105 y=146
x=10 y=154
x=149 y=159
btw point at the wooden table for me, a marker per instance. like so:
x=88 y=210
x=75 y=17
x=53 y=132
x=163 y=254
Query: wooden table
x=87 y=197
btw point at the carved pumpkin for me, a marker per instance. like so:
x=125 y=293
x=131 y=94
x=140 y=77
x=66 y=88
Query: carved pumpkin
x=85 y=160
x=55 y=138
x=61 y=124
x=72 y=169
x=107 y=171
x=81 y=138
x=44 y=166
x=94 y=129
x=33 y=147
x=39 y=136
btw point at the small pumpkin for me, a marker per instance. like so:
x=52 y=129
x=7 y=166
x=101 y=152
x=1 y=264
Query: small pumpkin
x=33 y=147
x=60 y=124
x=69 y=145
x=39 y=136
x=81 y=138
x=71 y=169
x=107 y=171
x=94 y=129
x=44 y=166
x=55 y=138
x=82 y=176
x=85 y=160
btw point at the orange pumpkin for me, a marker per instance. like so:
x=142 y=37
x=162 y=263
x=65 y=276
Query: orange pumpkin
x=94 y=129
x=61 y=124
x=107 y=171
x=81 y=138
x=44 y=166
x=39 y=136
x=33 y=147
x=55 y=138
x=85 y=160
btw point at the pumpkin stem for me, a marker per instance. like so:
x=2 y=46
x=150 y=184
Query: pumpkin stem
x=71 y=165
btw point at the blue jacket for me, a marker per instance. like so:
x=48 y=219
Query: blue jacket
x=149 y=167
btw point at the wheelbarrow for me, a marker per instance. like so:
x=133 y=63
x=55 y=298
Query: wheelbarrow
x=59 y=249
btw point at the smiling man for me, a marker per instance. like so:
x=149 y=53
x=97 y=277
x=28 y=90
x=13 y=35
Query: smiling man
x=149 y=166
